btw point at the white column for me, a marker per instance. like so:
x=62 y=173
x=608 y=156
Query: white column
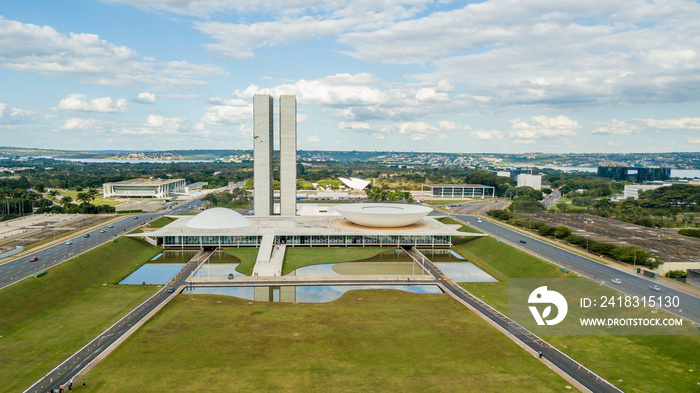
x=288 y=155
x=262 y=154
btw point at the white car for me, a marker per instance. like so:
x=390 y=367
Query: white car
x=68 y=243
x=655 y=288
x=616 y=281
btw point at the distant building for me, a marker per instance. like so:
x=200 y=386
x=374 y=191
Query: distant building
x=620 y=172
x=632 y=191
x=503 y=173
x=355 y=183
x=195 y=186
x=527 y=180
x=143 y=188
x=460 y=190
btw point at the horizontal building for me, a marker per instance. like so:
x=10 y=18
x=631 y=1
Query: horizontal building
x=143 y=188
x=460 y=190
x=225 y=228
x=634 y=174
x=632 y=190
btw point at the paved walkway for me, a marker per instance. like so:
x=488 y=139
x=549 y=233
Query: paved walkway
x=270 y=258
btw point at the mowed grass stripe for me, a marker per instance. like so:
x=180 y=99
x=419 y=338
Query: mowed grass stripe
x=370 y=340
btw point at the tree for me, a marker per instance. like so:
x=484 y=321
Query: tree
x=84 y=197
x=66 y=201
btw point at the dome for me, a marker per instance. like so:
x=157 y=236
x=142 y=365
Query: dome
x=218 y=218
x=382 y=215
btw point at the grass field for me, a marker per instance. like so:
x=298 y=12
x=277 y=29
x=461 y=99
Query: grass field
x=375 y=341
x=160 y=222
x=45 y=320
x=296 y=257
x=632 y=363
x=247 y=256
x=99 y=200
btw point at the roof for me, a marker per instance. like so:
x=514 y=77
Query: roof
x=457 y=185
x=145 y=182
x=218 y=218
x=355 y=183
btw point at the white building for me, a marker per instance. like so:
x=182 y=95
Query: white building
x=632 y=191
x=143 y=188
x=527 y=180
x=355 y=183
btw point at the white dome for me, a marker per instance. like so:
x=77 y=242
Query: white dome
x=218 y=218
x=382 y=215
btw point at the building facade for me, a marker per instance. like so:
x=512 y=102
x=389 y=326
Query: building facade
x=460 y=190
x=262 y=154
x=634 y=174
x=288 y=155
x=527 y=180
x=143 y=188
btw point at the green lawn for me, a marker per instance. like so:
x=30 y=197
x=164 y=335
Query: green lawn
x=160 y=222
x=45 y=320
x=99 y=199
x=296 y=257
x=452 y=221
x=247 y=256
x=372 y=340
x=632 y=363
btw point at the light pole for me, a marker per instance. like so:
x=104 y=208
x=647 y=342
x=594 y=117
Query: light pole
x=634 y=263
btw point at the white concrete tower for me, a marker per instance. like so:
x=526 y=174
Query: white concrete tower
x=262 y=154
x=288 y=155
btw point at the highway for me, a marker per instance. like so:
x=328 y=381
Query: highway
x=20 y=268
x=632 y=285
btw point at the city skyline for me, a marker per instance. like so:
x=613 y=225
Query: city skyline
x=436 y=76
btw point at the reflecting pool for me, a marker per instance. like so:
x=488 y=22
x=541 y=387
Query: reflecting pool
x=303 y=294
x=153 y=274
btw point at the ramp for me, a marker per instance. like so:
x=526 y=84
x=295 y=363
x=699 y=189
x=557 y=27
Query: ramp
x=270 y=258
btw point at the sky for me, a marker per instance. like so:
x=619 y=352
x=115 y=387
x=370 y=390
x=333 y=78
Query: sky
x=495 y=76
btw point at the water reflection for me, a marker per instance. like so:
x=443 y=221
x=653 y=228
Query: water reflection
x=153 y=274
x=304 y=294
x=464 y=272
x=218 y=270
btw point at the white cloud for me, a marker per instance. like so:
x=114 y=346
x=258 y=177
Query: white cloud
x=146 y=98
x=10 y=115
x=542 y=127
x=223 y=112
x=42 y=50
x=486 y=134
x=160 y=125
x=79 y=124
x=636 y=126
x=79 y=102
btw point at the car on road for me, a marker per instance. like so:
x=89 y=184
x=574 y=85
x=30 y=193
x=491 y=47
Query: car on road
x=522 y=241
x=478 y=220
x=230 y=276
x=110 y=226
x=136 y=217
x=102 y=231
x=616 y=281
x=86 y=235
x=655 y=288
x=68 y=243
x=171 y=290
x=33 y=259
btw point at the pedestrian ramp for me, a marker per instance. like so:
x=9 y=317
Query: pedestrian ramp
x=270 y=258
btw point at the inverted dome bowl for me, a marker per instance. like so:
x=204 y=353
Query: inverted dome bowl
x=382 y=215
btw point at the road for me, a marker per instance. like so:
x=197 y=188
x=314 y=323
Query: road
x=20 y=268
x=632 y=285
x=559 y=359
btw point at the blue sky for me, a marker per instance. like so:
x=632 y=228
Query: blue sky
x=500 y=76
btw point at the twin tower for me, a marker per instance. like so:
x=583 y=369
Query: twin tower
x=263 y=153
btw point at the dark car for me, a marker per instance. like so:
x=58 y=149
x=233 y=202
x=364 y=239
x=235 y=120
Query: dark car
x=171 y=290
x=523 y=241
x=34 y=259
x=86 y=235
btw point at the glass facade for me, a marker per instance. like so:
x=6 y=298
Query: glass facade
x=311 y=240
